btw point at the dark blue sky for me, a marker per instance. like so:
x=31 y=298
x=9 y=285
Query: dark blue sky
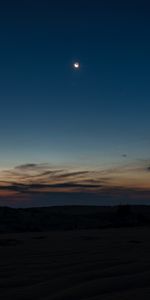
x=48 y=109
x=54 y=114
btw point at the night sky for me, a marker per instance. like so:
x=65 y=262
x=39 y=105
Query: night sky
x=74 y=136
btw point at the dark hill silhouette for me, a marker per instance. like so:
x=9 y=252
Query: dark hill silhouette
x=72 y=218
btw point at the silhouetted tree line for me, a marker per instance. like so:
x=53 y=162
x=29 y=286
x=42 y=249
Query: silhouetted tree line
x=72 y=218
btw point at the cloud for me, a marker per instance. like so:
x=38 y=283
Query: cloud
x=31 y=171
x=32 y=178
x=44 y=179
x=27 y=188
x=27 y=167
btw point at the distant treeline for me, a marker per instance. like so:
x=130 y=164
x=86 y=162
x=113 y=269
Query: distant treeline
x=72 y=218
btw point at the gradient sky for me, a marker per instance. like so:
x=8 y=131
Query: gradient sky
x=55 y=119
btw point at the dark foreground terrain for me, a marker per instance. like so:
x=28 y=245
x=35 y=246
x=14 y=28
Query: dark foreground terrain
x=72 y=218
x=73 y=265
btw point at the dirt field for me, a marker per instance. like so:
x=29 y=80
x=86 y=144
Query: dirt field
x=93 y=264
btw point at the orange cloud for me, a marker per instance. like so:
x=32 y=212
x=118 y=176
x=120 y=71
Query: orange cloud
x=27 y=180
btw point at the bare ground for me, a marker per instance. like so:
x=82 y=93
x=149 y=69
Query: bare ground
x=73 y=265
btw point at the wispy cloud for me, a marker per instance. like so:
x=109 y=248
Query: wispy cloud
x=28 y=179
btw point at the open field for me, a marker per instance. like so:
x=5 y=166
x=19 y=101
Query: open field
x=70 y=265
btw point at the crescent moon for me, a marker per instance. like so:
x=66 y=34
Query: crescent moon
x=76 y=65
